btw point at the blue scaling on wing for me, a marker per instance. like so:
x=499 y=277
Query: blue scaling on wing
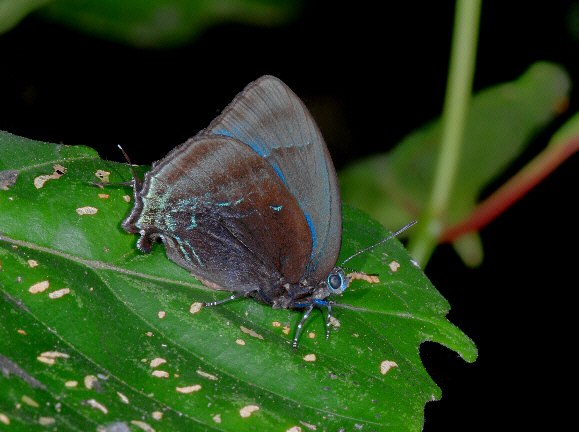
x=186 y=254
x=269 y=118
x=257 y=146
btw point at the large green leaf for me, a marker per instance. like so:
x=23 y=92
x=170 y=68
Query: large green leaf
x=83 y=360
x=150 y=23
x=502 y=119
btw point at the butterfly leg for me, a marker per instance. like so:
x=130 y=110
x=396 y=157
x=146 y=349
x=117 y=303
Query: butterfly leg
x=328 y=322
x=304 y=318
x=329 y=306
x=232 y=297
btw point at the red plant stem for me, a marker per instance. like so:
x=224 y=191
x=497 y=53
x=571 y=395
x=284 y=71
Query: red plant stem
x=514 y=189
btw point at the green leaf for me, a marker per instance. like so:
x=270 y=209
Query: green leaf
x=502 y=119
x=164 y=23
x=78 y=355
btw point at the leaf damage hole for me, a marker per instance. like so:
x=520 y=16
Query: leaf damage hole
x=59 y=171
x=46 y=421
x=96 y=405
x=206 y=375
x=58 y=293
x=141 y=424
x=88 y=210
x=188 y=389
x=124 y=399
x=29 y=401
x=250 y=332
x=39 y=287
x=157 y=362
x=310 y=357
x=363 y=276
x=386 y=365
x=103 y=175
x=247 y=410
x=160 y=374
x=195 y=307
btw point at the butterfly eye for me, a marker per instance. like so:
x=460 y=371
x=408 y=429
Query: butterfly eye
x=337 y=281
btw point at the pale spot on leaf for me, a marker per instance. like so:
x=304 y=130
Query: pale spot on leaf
x=247 y=410
x=207 y=375
x=363 y=276
x=89 y=381
x=157 y=362
x=335 y=322
x=96 y=405
x=39 y=287
x=251 y=332
x=102 y=175
x=29 y=401
x=46 y=421
x=59 y=171
x=195 y=307
x=54 y=354
x=394 y=266
x=189 y=389
x=160 y=374
x=46 y=360
x=310 y=357
x=141 y=424
x=59 y=293
x=386 y=365
x=88 y=210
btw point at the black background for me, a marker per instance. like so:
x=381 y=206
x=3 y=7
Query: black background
x=369 y=77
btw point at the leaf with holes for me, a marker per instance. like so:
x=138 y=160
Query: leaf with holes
x=95 y=333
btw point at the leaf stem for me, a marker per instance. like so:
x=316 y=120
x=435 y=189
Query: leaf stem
x=454 y=114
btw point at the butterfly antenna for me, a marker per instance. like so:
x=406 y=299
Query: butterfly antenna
x=135 y=175
x=404 y=228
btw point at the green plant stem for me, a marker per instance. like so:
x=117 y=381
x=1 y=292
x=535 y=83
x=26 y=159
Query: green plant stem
x=454 y=114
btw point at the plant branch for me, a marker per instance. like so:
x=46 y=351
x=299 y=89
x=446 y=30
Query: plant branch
x=454 y=114
x=509 y=193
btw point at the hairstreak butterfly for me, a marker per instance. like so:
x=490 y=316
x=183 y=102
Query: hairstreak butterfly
x=250 y=205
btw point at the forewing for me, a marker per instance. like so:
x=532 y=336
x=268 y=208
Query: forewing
x=274 y=122
x=225 y=215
